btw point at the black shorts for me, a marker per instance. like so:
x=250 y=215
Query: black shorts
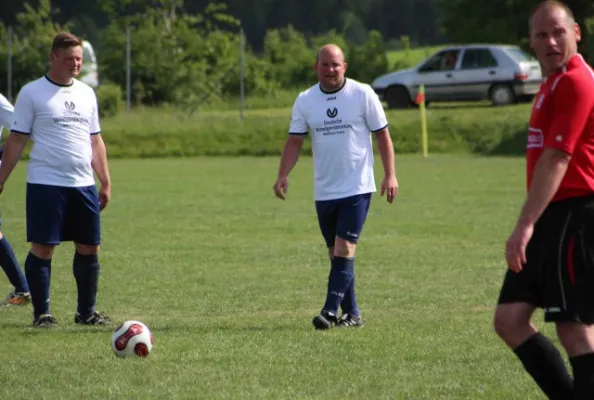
x=559 y=272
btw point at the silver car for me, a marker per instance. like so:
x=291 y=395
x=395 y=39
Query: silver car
x=502 y=74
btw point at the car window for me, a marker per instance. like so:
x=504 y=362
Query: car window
x=518 y=54
x=478 y=58
x=443 y=61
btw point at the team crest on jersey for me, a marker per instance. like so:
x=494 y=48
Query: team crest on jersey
x=332 y=113
x=70 y=106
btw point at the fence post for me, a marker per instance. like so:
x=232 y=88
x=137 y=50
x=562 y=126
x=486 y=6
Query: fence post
x=9 y=67
x=241 y=72
x=128 y=70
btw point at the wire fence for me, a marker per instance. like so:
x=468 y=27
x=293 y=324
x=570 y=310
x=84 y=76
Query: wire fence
x=129 y=73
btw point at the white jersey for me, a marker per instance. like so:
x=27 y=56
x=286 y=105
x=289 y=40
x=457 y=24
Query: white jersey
x=340 y=125
x=6 y=111
x=60 y=121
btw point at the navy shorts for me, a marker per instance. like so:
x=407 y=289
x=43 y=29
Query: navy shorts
x=343 y=217
x=58 y=214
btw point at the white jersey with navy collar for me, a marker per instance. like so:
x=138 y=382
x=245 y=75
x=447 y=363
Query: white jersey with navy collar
x=340 y=126
x=60 y=121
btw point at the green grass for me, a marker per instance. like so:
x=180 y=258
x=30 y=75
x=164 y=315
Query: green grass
x=171 y=132
x=228 y=278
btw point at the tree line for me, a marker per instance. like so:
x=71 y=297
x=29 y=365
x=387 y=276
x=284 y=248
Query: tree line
x=188 y=51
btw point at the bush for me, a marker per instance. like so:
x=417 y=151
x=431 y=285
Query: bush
x=109 y=97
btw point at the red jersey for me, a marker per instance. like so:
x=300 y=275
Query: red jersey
x=563 y=118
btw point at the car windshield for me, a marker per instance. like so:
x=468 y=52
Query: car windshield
x=518 y=54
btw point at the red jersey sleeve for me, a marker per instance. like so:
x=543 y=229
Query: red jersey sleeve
x=573 y=103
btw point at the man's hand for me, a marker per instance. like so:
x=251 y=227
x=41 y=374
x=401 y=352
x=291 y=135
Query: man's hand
x=390 y=187
x=104 y=196
x=515 y=249
x=281 y=186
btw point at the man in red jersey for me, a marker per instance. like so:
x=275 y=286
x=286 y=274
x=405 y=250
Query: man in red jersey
x=550 y=253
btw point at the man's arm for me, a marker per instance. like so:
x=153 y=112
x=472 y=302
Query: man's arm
x=99 y=161
x=288 y=160
x=290 y=155
x=385 y=147
x=548 y=174
x=386 y=150
x=15 y=144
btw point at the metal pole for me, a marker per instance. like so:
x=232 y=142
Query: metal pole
x=9 y=67
x=242 y=72
x=128 y=69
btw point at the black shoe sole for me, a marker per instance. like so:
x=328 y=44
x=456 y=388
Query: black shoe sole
x=321 y=323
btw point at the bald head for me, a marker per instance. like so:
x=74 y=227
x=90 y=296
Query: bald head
x=553 y=35
x=330 y=50
x=330 y=67
x=546 y=8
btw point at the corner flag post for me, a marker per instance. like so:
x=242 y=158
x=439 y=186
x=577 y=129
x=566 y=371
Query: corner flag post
x=421 y=102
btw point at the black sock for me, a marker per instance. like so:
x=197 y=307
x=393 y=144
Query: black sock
x=86 y=273
x=349 y=302
x=38 y=272
x=544 y=363
x=583 y=376
x=341 y=275
x=11 y=267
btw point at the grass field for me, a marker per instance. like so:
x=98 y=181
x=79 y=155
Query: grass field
x=228 y=278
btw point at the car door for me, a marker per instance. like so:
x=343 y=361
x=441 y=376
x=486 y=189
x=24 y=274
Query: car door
x=478 y=71
x=438 y=75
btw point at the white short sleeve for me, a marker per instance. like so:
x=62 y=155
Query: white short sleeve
x=298 y=121
x=94 y=127
x=375 y=116
x=24 y=112
x=6 y=112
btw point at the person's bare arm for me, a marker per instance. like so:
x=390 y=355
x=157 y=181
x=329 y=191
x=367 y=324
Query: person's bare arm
x=13 y=148
x=289 y=158
x=385 y=147
x=101 y=168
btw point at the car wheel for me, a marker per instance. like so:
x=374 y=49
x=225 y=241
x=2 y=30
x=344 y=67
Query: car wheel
x=397 y=97
x=501 y=95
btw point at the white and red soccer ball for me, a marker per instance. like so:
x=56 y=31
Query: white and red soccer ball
x=132 y=339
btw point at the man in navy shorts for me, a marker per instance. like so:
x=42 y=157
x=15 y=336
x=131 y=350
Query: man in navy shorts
x=339 y=114
x=60 y=115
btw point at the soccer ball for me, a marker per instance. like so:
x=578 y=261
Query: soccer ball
x=132 y=339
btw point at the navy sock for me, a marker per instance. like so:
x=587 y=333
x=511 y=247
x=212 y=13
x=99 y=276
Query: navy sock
x=86 y=273
x=38 y=272
x=341 y=275
x=583 y=376
x=11 y=267
x=349 y=303
x=544 y=363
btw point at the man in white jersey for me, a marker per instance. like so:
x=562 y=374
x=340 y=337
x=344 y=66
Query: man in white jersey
x=20 y=294
x=60 y=115
x=339 y=114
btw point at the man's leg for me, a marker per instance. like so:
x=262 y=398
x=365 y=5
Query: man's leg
x=38 y=269
x=578 y=341
x=84 y=224
x=537 y=353
x=12 y=269
x=45 y=206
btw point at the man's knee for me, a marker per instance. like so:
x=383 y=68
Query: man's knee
x=43 y=251
x=344 y=248
x=86 y=249
x=511 y=320
x=576 y=338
